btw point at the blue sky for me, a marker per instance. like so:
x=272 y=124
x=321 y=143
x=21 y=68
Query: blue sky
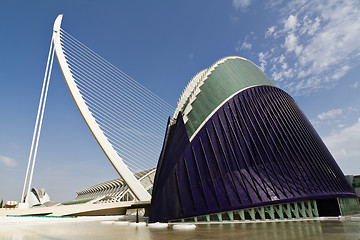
x=311 y=49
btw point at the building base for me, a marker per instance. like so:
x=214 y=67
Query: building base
x=285 y=211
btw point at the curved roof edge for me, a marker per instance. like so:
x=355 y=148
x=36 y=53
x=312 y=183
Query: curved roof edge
x=187 y=91
x=209 y=88
x=196 y=82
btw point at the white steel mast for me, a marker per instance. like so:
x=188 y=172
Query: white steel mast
x=37 y=128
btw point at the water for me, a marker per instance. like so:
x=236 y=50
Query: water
x=327 y=230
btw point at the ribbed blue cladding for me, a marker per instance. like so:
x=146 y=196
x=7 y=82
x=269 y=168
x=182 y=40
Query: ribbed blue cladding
x=257 y=149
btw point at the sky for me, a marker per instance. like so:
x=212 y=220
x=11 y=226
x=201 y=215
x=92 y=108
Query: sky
x=310 y=49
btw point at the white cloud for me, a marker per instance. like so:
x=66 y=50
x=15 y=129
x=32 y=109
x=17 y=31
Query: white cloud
x=9 y=162
x=320 y=41
x=333 y=113
x=344 y=146
x=337 y=40
x=291 y=44
x=281 y=58
x=241 y=3
x=341 y=72
x=334 y=119
x=246 y=46
x=291 y=23
x=270 y=31
x=309 y=26
x=262 y=60
x=289 y=73
x=305 y=85
x=355 y=85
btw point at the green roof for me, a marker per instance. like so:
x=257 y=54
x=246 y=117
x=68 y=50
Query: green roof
x=225 y=78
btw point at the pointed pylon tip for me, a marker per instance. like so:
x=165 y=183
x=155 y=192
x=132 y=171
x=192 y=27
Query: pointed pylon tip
x=57 y=23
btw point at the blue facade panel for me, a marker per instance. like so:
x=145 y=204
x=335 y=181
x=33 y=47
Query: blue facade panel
x=257 y=149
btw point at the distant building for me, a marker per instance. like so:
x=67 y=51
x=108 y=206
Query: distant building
x=355 y=183
x=38 y=197
x=9 y=204
x=240 y=148
x=114 y=190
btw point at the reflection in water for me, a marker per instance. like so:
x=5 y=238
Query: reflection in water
x=271 y=230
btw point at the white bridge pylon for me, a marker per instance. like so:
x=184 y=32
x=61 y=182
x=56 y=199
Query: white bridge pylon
x=126 y=119
x=135 y=186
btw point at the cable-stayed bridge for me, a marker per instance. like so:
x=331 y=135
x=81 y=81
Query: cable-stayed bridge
x=127 y=120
